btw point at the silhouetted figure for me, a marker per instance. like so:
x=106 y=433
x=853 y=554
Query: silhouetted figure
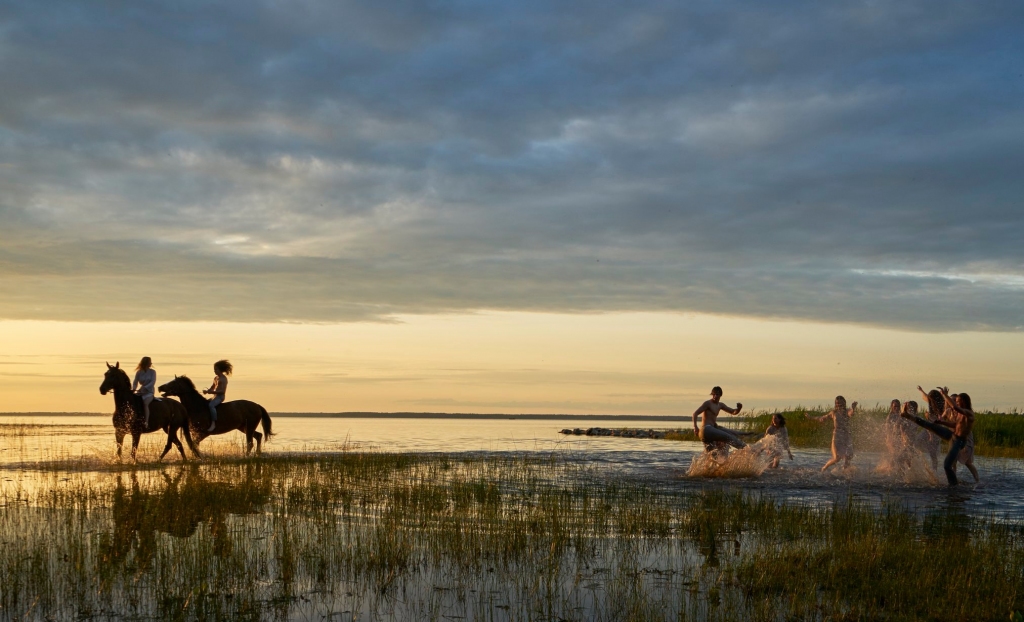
x=956 y=429
x=166 y=415
x=709 y=431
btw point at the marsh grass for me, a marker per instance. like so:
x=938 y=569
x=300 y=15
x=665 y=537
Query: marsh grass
x=400 y=536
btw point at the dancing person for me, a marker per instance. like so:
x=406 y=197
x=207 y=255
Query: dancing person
x=842 y=439
x=218 y=389
x=779 y=441
x=908 y=441
x=966 y=455
x=956 y=429
x=144 y=385
x=894 y=432
x=709 y=432
x=928 y=441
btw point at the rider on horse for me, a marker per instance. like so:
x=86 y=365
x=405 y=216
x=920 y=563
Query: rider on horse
x=219 y=387
x=145 y=384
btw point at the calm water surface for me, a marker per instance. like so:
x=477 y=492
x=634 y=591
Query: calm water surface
x=88 y=440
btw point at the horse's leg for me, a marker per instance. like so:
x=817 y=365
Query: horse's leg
x=119 y=437
x=173 y=436
x=167 y=447
x=259 y=441
x=135 y=445
x=193 y=444
x=248 y=440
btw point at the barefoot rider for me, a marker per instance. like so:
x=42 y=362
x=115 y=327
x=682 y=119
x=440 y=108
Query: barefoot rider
x=219 y=387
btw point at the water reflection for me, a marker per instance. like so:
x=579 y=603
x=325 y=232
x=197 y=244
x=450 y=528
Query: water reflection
x=177 y=507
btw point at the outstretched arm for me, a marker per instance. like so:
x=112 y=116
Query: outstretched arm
x=853 y=408
x=952 y=404
x=733 y=411
x=927 y=400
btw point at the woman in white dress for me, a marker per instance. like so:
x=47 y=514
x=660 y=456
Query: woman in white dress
x=842 y=438
x=145 y=384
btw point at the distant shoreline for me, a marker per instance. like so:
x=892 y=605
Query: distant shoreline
x=408 y=415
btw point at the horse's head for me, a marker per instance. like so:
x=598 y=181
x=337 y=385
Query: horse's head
x=181 y=385
x=114 y=379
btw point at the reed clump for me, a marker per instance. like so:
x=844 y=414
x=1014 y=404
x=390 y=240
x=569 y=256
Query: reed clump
x=368 y=535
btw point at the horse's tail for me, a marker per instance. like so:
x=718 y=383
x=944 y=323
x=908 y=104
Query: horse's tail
x=265 y=420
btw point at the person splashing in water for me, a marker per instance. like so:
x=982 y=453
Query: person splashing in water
x=894 y=434
x=927 y=441
x=956 y=429
x=966 y=455
x=776 y=437
x=222 y=369
x=709 y=431
x=145 y=384
x=842 y=439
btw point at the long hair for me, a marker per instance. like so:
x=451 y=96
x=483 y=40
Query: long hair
x=144 y=364
x=894 y=406
x=223 y=366
x=935 y=403
x=841 y=402
x=966 y=400
x=910 y=407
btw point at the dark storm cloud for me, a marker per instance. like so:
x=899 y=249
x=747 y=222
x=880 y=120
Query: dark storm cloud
x=312 y=161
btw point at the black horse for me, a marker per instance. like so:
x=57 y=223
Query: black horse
x=241 y=415
x=166 y=415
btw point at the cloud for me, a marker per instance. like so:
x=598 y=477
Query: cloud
x=343 y=161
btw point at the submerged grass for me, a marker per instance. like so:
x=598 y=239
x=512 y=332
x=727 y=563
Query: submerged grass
x=412 y=537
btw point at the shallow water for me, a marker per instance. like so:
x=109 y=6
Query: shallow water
x=86 y=442
x=342 y=537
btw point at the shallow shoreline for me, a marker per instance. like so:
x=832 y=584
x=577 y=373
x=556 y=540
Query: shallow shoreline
x=410 y=415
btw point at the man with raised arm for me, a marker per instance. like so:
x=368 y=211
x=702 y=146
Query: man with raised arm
x=955 y=429
x=709 y=431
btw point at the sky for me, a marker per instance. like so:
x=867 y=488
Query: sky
x=194 y=181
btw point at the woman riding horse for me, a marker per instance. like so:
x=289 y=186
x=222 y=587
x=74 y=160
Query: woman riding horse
x=166 y=415
x=241 y=415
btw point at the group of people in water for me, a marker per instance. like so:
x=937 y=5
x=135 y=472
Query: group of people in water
x=144 y=385
x=949 y=417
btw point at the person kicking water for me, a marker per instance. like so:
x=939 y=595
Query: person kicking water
x=956 y=428
x=709 y=431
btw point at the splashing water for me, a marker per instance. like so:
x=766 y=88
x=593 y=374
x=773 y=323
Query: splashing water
x=751 y=461
x=903 y=457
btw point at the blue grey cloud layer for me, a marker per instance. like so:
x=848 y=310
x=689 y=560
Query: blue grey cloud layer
x=323 y=161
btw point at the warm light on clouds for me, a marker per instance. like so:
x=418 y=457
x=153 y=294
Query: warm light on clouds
x=646 y=198
x=648 y=363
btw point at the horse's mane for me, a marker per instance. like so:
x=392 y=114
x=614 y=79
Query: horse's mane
x=124 y=376
x=188 y=383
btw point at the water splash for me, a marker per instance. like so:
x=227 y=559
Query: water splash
x=903 y=457
x=751 y=461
